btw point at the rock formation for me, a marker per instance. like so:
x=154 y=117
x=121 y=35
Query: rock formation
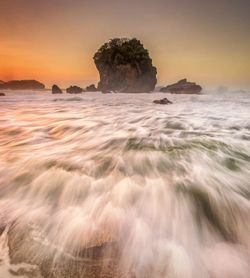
x=182 y=87
x=74 y=90
x=91 y=88
x=162 y=101
x=22 y=85
x=125 y=66
x=56 y=90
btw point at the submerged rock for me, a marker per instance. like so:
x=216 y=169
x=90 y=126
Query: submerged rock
x=107 y=92
x=49 y=260
x=22 y=85
x=56 y=90
x=182 y=87
x=162 y=101
x=125 y=66
x=2 y=94
x=74 y=90
x=91 y=88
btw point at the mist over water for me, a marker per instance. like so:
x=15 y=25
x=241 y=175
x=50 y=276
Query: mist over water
x=166 y=189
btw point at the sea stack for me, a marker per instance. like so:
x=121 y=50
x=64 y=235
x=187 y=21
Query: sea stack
x=182 y=87
x=125 y=66
x=56 y=90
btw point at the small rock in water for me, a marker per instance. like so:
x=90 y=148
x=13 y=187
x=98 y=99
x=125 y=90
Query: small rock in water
x=182 y=87
x=56 y=90
x=74 y=90
x=2 y=94
x=91 y=88
x=162 y=101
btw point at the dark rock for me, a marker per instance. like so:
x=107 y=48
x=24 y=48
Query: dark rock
x=74 y=90
x=22 y=85
x=91 y=88
x=56 y=90
x=162 y=101
x=182 y=87
x=125 y=66
x=2 y=94
x=97 y=260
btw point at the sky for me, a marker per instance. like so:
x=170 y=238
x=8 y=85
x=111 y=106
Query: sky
x=54 y=41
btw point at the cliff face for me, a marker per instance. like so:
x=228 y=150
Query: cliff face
x=22 y=85
x=124 y=65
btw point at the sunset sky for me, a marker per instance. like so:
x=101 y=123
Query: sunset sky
x=54 y=41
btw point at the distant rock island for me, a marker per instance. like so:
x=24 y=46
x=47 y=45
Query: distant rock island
x=74 y=90
x=125 y=66
x=22 y=85
x=182 y=87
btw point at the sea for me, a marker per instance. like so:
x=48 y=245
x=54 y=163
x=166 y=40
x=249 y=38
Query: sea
x=114 y=185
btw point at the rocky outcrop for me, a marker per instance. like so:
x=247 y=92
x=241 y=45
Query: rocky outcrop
x=125 y=66
x=22 y=85
x=74 y=90
x=56 y=90
x=91 y=88
x=2 y=94
x=162 y=101
x=182 y=87
x=96 y=260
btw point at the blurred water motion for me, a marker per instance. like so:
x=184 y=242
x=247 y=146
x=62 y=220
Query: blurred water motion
x=116 y=186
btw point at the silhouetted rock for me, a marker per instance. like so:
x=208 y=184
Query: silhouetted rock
x=91 y=88
x=22 y=85
x=1 y=84
x=124 y=65
x=162 y=101
x=182 y=87
x=74 y=90
x=2 y=94
x=56 y=90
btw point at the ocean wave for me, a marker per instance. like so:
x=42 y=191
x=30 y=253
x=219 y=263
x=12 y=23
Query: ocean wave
x=88 y=186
